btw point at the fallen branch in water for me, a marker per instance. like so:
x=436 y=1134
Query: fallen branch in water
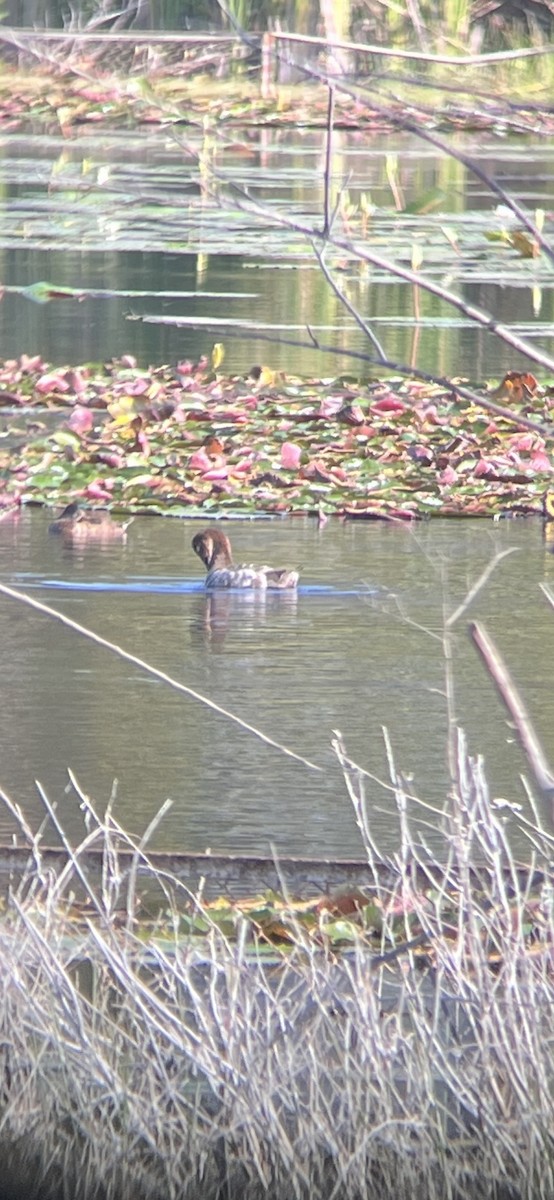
x=516 y=707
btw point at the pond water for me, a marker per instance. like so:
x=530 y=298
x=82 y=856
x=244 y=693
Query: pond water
x=128 y=220
x=157 y=224
x=355 y=650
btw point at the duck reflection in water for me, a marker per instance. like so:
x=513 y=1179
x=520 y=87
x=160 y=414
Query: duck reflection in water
x=218 y=613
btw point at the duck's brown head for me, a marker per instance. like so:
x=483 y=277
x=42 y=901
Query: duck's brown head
x=71 y=512
x=214 y=548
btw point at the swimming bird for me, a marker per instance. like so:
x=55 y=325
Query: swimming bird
x=214 y=548
x=92 y=524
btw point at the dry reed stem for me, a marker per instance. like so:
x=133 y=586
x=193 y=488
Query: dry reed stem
x=179 y=1067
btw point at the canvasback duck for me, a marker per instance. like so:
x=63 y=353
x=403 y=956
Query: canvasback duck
x=214 y=548
x=82 y=524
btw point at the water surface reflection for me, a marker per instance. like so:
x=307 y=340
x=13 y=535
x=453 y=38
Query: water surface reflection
x=127 y=219
x=361 y=651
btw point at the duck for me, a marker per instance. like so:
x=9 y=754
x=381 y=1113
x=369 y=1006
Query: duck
x=80 y=524
x=214 y=548
x=548 y=506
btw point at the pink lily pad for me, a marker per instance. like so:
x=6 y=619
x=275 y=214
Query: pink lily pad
x=540 y=461
x=388 y=404
x=216 y=473
x=81 y=420
x=55 y=381
x=99 y=490
x=199 y=461
x=290 y=456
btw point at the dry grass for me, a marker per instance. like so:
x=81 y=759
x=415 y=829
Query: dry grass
x=179 y=1068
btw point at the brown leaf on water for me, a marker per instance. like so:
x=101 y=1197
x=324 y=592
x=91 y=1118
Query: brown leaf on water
x=342 y=903
x=213 y=446
x=351 y=414
x=274 y=930
x=516 y=386
x=274 y=479
x=526 y=246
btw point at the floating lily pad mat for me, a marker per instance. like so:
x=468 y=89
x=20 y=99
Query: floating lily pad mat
x=186 y=440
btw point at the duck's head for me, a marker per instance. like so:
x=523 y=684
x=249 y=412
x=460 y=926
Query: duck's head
x=213 y=547
x=72 y=512
x=67 y=519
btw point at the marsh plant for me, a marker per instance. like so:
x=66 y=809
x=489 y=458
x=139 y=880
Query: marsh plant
x=167 y=1064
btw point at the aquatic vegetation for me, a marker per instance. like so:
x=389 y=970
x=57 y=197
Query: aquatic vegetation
x=156 y=78
x=185 y=440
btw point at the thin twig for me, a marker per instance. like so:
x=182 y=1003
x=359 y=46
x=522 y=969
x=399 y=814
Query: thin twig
x=466 y=60
x=475 y=314
x=477 y=586
x=466 y=394
x=357 y=91
x=515 y=705
x=144 y=666
x=433 y=139
x=363 y=325
x=328 y=163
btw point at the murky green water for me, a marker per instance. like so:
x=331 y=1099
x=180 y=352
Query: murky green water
x=138 y=221
x=297 y=668
x=78 y=212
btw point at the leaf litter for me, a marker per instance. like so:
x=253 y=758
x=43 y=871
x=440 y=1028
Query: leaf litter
x=335 y=922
